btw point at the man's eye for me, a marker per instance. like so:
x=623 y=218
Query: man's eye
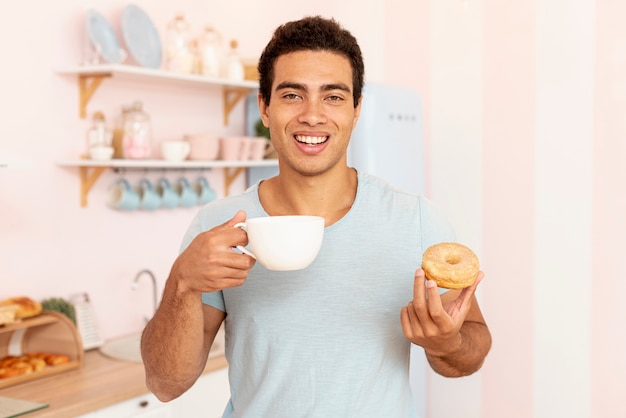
x=291 y=96
x=335 y=98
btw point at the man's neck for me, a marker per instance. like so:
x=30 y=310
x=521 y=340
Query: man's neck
x=329 y=196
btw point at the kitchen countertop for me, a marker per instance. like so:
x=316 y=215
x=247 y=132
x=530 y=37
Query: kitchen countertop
x=101 y=382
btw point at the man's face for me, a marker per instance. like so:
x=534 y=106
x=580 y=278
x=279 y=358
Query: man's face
x=311 y=113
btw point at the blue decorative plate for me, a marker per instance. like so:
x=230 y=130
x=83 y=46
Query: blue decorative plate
x=140 y=36
x=103 y=37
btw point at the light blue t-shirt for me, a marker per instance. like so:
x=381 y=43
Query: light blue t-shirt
x=326 y=341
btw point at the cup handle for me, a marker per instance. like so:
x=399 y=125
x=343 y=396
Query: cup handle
x=242 y=225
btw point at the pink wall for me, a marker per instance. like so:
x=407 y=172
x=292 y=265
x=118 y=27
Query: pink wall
x=509 y=119
x=497 y=87
x=609 y=185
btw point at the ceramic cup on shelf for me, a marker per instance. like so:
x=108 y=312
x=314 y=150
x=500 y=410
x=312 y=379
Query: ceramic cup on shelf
x=204 y=147
x=101 y=153
x=234 y=148
x=122 y=196
x=246 y=146
x=260 y=147
x=187 y=195
x=175 y=150
x=169 y=197
x=283 y=242
x=204 y=191
x=150 y=199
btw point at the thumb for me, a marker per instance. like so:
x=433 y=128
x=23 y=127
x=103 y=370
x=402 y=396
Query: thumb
x=240 y=216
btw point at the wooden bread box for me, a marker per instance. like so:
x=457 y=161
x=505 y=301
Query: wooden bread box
x=49 y=332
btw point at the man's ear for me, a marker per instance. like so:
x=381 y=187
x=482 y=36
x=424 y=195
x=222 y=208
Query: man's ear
x=263 y=109
x=357 y=112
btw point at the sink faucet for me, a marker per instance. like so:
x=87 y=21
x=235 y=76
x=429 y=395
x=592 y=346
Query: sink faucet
x=135 y=285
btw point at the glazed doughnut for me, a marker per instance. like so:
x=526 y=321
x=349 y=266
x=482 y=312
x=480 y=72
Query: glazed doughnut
x=450 y=265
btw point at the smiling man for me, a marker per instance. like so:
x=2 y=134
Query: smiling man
x=331 y=340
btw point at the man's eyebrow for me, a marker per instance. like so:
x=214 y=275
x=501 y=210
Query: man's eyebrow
x=291 y=85
x=337 y=86
x=325 y=87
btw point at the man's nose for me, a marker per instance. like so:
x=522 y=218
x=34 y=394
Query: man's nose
x=313 y=112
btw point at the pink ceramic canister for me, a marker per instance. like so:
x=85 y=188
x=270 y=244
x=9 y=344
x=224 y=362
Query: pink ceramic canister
x=203 y=146
x=232 y=148
x=259 y=148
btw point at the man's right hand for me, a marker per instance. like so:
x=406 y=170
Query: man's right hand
x=209 y=263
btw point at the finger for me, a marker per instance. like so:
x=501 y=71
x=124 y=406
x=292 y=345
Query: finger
x=418 y=285
x=231 y=235
x=420 y=302
x=407 y=329
x=435 y=306
x=410 y=322
x=468 y=292
x=240 y=216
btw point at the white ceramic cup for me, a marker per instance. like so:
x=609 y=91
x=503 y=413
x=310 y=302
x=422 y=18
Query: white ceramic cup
x=101 y=153
x=283 y=242
x=175 y=150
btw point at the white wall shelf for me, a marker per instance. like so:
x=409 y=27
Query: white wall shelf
x=91 y=170
x=90 y=77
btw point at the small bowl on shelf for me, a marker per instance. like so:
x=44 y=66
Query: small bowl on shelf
x=101 y=153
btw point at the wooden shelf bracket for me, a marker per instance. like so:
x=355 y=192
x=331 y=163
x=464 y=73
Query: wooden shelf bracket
x=230 y=175
x=232 y=96
x=87 y=86
x=87 y=180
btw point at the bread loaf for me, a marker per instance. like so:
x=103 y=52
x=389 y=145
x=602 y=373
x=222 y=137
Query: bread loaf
x=26 y=307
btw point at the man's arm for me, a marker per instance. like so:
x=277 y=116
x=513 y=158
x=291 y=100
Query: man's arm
x=475 y=342
x=175 y=343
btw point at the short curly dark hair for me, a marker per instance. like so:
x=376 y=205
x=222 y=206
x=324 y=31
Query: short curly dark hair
x=310 y=33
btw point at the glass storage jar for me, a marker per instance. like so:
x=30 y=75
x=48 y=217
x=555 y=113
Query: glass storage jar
x=137 y=139
x=99 y=135
x=210 y=51
x=179 y=56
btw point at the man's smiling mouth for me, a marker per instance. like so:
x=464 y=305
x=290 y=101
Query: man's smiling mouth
x=311 y=140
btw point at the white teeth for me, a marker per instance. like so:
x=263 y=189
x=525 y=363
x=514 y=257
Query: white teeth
x=311 y=140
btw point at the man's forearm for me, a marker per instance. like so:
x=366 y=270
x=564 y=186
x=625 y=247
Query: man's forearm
x=476 y=342
x=172 y=345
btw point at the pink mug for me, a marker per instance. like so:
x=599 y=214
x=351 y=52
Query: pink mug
x=260 y=147
x=203 y=147
x=234 y=148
